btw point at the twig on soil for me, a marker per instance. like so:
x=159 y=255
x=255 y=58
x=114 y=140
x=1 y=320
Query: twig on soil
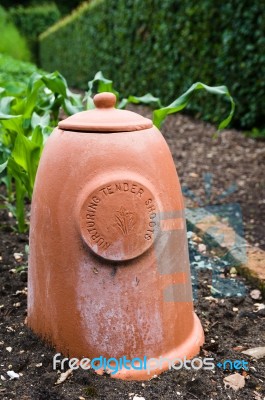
x=215 y=323
x=193 y=395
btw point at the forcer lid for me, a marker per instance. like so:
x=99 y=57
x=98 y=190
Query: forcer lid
x=105 y=118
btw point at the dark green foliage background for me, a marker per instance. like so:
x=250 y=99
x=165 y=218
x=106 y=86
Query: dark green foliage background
x=64 y=6
x=165 y=46
x=31 y=21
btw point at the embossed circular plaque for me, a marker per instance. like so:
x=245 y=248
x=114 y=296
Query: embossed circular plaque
x=119 y=220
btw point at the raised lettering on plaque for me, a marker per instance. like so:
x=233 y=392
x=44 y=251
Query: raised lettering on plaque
x=119 y=221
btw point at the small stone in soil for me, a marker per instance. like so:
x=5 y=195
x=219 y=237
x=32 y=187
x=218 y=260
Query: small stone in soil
x=18 y=257
x=255 y=294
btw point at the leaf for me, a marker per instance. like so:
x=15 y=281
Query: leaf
x=21 y=182
x=5 y=104
x=12 y=123
x=255 y=352
x=89 y=102
x=3 y=166
x=27 y=154
x=4 y=116
x=49 y=83
x=70 y=108
x=75 y=97
x=6 y=180
x=17 y=172
x=122 y=104
x=40 y=120
x=18 y=106
x=234 y=381
x=30 y=103
x=20 y=210
x=14 y=88
x=102 y=84
x=181 y=102
x=147 y=99
x=37 y=136
x=46 y=132
x=55 y=82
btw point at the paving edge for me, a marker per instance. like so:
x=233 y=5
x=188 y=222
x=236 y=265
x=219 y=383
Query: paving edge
x=249 y=260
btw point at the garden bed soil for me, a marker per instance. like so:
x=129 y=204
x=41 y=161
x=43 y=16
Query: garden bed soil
x=231 y=324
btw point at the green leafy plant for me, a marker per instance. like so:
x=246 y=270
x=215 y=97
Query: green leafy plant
x=27 y=118
x=256 y=133
x=28 y=115
x=160 y=113
x=14 y=74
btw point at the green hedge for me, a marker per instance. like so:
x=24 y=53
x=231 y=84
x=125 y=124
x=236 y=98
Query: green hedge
x=165 y=46
x=64 y=6
x=11 y=41
x=31 y=21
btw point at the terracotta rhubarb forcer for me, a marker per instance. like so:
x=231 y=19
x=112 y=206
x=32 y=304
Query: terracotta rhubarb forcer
x=108 y=268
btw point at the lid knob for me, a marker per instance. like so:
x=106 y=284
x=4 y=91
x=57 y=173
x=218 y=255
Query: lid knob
x=105 y=100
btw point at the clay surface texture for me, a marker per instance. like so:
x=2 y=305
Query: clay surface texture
x=109 y=270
